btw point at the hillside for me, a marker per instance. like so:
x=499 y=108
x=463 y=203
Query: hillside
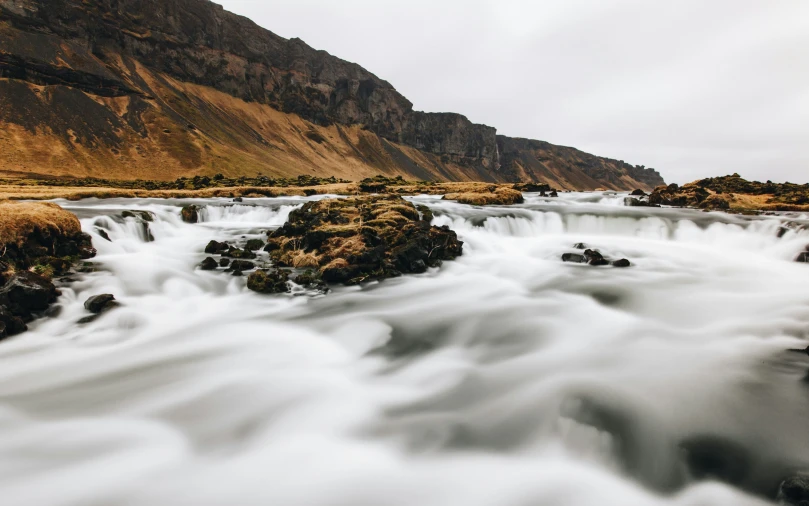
x=160 y=89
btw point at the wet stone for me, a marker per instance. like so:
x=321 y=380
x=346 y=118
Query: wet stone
x=98 y=304
x=209 y=264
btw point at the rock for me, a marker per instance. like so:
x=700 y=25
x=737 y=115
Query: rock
x=26 y=293
x=794 y=491
x=103 y=233
x=594 y=257
x=190 y=213
x=10 y=324
x=487 y=196
x=312 y=280
x=532 y=187
x=238 y=199
x=580 y=245
x=633 y=202
x=239 y=253
x=98 y=304
x=209 y=264
x=216 y=248
x=143 y=215
x=553 y=194
x=263 y=281
x=638 y=193
x=623 y=262
x=224 y=262
x=574 y=258
x=715 y=202
x=254 y=244
x=272 y=246
x=803 y=257
x=242 y=265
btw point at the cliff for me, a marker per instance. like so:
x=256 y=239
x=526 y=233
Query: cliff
x=158 y=89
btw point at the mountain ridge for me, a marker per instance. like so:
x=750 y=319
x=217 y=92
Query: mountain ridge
x=157 y=71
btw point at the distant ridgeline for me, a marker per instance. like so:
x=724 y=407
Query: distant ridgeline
x=158 y=89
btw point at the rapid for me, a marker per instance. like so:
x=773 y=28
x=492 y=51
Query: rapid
x=506 y=377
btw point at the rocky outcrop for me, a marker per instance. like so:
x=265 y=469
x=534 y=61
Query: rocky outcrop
x=38 y=241
x=153 y=62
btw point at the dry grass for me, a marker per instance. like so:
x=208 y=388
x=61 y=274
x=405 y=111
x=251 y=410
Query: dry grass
x=501 y=196
x=18 y=220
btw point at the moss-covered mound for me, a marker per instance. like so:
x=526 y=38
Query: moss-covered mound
x=359 y=239
x=499 y=196
x=37 y=242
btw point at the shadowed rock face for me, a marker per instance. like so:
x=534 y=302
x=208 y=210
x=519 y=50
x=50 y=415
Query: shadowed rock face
x=142 y=49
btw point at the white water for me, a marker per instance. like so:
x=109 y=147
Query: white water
x=503 y=378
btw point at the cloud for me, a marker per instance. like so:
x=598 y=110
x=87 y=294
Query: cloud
x=692 y=88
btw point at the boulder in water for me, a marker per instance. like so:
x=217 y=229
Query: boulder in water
x=623 y=262
x=239 y=253
x=553 y=193
x=26 y=293
x=209 y=264
x=142 y=215
x=238 y=199
x=190 y=213
x=633 y=202
x=224 y=262
x=638 y=193
x=794 y=491
x=803 y=257
x=10 y=324
x=594 y=257
x=216 y=248
x=573 y=258
x=242 y=265
x=532 y=187
x=98 y=304
x=263 y=281
x=254 y=244
x=580 y=245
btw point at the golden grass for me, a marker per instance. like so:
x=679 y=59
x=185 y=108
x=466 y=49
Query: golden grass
x=303 y=260
x=18 y=220
x=501 y=196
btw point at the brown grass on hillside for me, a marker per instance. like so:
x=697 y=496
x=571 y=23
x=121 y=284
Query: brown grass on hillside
x=18 y=220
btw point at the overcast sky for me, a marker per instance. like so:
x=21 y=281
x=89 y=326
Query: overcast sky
x=693 y=88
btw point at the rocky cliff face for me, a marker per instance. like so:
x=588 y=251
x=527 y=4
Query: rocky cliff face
x=138 y=60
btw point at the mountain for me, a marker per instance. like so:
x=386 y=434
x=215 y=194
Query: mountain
x=158 y=89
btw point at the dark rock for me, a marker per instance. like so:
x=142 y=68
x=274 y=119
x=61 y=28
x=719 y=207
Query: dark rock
x=254 y=244
x=103 y=233
x=239 y=253
x=623 y=262
x=573 y=258
x=10 y=324
x=216 y=248
x=794 y=491
x=272 y=246
x=142 y=215
x=237 y=272
x=98 y=304
x=25 y=293
x=803 y=257
x=595 y=258
x=580 y=245
x=638 y=193
x=238 y=199
x=190 y=213
x=263 y=281
x=242 y=265
x=209 y=264
x=633 y=202
x=85 y=245
x=224 y=262
x=312 y=280
x=532 y=187
x=553 y=194
x=309 y=192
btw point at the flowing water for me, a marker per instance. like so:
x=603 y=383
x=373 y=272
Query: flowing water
x=503 y=378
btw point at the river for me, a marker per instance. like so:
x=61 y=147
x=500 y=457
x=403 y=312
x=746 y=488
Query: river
x=506 y=377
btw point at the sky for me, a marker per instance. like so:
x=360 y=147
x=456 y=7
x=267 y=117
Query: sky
x=693 y=88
